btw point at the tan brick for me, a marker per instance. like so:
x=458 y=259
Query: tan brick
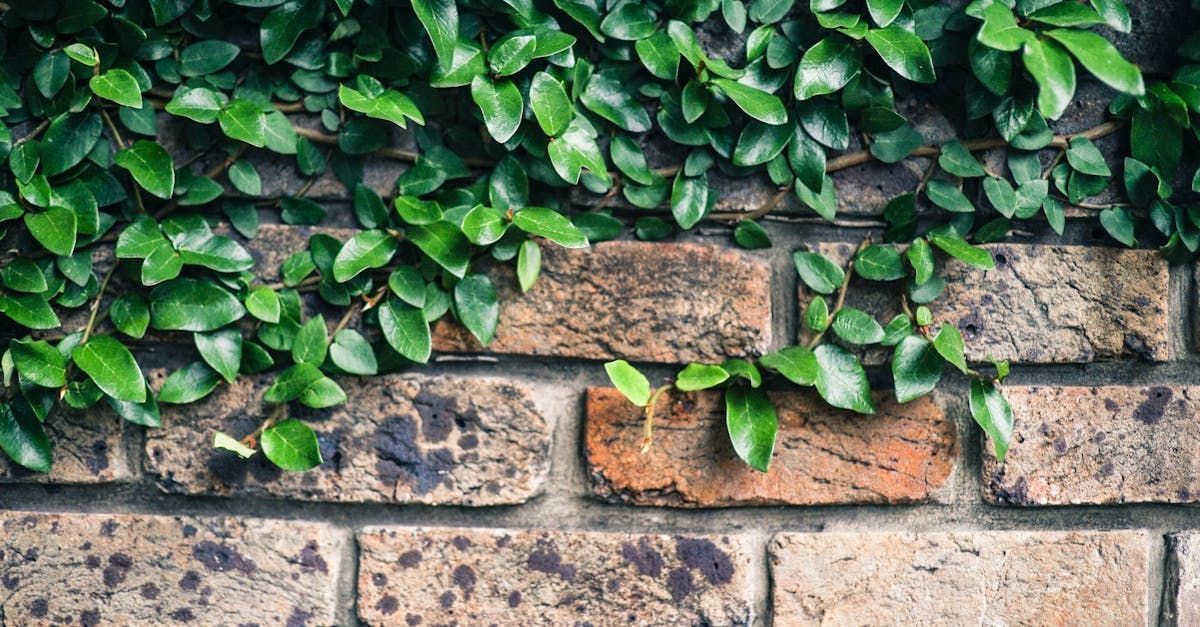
x=961 y=578
x=635 y=300
x=89 y=447
x=397 y=439
x=1181 y=596
x=98 y=569
x=1110 y=444
x=496 y=576
x=903 y=453
x=1042 y=304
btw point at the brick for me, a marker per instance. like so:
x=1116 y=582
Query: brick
x=496 y=576
x=1041 y=304
x=1094 y=445
x=645 y=301
x=98 y=569
x=960 y=578
x=89 y=447
x=903 y=453
x=397 y=439
x=1181 y=596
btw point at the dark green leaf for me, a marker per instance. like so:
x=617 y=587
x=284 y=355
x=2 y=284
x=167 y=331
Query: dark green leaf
x=193 y=305
x=477 y=306
x=841 y=380
x=752 y=424
x=992 y=412
x=113 y=369
x=916 y=368
x=150 y=166
x=904 y=52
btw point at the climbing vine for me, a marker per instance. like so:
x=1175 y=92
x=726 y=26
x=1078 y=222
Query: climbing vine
x=511 y=108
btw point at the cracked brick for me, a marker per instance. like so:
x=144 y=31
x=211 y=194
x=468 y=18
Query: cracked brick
x=901 y=454
x=499 y=576
x=960 y=578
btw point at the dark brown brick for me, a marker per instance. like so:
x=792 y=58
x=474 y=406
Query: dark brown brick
x=1093 y=445
x=498 y=576
x=959 y=578
x=99 y=569
x=397 y=439
x=903 y=453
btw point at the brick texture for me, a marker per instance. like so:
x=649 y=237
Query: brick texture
x=634 y=300
x=903 y=453
x=1181 y=594
x=89 y=447
x=402 y=439
x=977 y=578
x=96 y=569
x=1098 y=445
x=496 y=576
x=1043 y=304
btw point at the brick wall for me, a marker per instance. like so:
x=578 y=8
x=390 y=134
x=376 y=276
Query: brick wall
x=506 y=487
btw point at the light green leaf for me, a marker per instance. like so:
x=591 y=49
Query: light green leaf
x=797 y=364
x=40 y=363
x=550 y=104
x=368 y=249
x=150 y=166
x=406 y=330
x=551 y=225
x=700 y=377
x=1102 y=59
x=501 y=105
x=752 y=424
x=291 y=445
x=758 y=104
x=904 y=52
x=193 y=305
x=112 y=368
x=629 y=381
x=118 y=86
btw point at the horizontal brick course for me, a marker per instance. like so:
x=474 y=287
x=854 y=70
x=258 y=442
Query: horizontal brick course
x=1098 y=445
x=398 y=439
x=960 y=578
x=496 y=576
x=1042 y=304
x=99 y=569
x=903 y=453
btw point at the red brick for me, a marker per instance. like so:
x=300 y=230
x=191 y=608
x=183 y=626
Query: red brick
x=99 y=569
x=497 y=576
x=1098 y=445
x=960 y=578
x=89 y=447
x=903 y=453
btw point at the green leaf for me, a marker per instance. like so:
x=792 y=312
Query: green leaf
x=884 y=12
x=311 y=342
x=284 y=25
x=440 y=19
x=1086 y=158
x=51 y=73
x=130 y=314
x=244 y=121
x=760 y=143
x=54 y=229
x=751 y=235
x=752 y=424
x=992 y=412
x=292 y=383
x=904 y=52
x=758 y=104
x=841 y=380
x=415 y=211
x=145 y=413
x=407 y=283
x=689 y=199
x=189 y=384
x=629 y=381
x=368 y=249
x=226 y=443
x=797 y=364
x=879 y=263
x=816 y=315
x=150 y=166
x=477 y=306
x=827 y=67
x=207 y=57
x=630 y=22
x=484 y=225
x=199 y=104
x=351 y=352
x=112 y=368
x=192 y=305
x=445 y=244
x=551 y=225
x=949 y=344
x=957 y=160
x=916 y=368
x=511 y=53
x=291 y=445
x=920 y=257
x=529 y=264
x=406 y=330
x=39 y=363
x=550 y=104
x=700 y=377
x=608 y=98
x=1102 y=59
x=222 y=350
x=1115 y=14
x=1119 y=224
x=501 y=105
x=23 y=438
x=1000 y=29
x=1054 y=73
x=1002 y=196
x=659 y=55
x=244 y=178
x=818 y=272
x=948 y=196
x=118 y=86
x=29 y=310
x=391 y=106
x=856 y=326
x=959 y=249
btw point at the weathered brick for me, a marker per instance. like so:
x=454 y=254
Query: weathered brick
x=903 y=453
x=961 y=578
x=89 y=447
x=97 y=569
x=1041 y=304
x=1181 y=594
x=636 y=300
x=1110 y=444
x=496 y=576
x=397 y=439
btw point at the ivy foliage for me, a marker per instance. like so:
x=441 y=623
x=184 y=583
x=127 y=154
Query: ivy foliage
x=508 y=108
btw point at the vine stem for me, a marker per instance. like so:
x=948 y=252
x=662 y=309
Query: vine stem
x=251 y=440
x=116 y=135
x=841 y=297
x=648 y=420
x=37 y=131
x=91 y=323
